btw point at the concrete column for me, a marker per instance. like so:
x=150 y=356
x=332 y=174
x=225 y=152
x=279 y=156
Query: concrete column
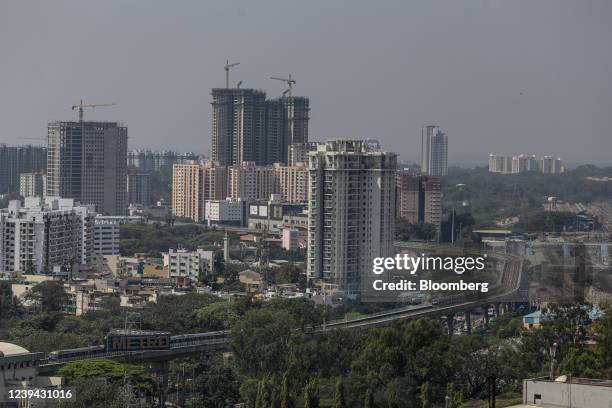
x=497 y=310
x=468 y=322
x=450 y=323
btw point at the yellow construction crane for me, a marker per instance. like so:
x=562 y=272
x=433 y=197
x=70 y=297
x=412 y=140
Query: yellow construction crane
x=82 y=105
x=227 y=71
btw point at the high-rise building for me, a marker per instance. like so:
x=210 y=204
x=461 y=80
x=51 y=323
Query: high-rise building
x=87 y=161
x=286 y=124
x=251 y=182
x=551 y=165
x=291 y=182
x=524 y=163
x=158 y=161
x=139 y=187
x=419 y=198
x=238 y=126
x=15 y=160
x=500 y=163
x=194 y=183
x=351 y=210
x=33 y=184
x=434 y=151
x=298 y=152
x=42 y=235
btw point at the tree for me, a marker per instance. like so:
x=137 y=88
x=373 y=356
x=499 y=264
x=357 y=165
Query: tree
x=285 y=396
x=311 y=394
x=9 y=304
x=425 y=395
x=368 y=399
x=111 y=370
x=49 y=296
x=339 y=400
x=260 y=341
x=264 y=394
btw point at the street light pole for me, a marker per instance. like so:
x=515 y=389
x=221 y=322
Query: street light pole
x=553 y=351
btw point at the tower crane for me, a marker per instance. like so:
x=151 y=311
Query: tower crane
x=227 y=71
x=290 y=82
x=82 y=105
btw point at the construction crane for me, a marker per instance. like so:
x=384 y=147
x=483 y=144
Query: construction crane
x=82 y=105
x=227 y=71
x=289 y=82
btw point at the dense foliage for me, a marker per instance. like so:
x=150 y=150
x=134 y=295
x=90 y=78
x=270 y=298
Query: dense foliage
x=153 y=239
x=490 y=196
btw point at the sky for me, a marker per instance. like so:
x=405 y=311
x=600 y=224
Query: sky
x=517 y=76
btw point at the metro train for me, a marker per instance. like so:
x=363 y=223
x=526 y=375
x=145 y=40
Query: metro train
x=131 y=340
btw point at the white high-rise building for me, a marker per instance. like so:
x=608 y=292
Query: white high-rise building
x=41 y=235
x=434 y=151
x=351 y=210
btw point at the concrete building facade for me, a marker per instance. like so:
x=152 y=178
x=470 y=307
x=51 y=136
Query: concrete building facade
x=87 y=161
x=419 y=198
x=15 y=160
x=139 y=187
x=32 y=184
x=434 y=151
x=251 y=182
x=351 y=210
x=193 y=184
x=189 y=264
x=41 y=235
x=291 y=182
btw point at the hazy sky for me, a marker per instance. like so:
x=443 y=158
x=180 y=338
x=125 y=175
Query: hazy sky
x=512 y=76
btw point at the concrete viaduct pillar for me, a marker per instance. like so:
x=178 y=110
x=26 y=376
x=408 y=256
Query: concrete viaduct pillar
x=468 y=322
x=450 y=322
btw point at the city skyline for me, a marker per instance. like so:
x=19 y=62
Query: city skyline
x=491 y=85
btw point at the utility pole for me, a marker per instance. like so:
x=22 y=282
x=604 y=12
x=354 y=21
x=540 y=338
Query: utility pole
x=227 y=71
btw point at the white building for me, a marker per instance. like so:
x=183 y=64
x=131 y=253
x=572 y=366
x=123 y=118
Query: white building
x=225 y=211
x=32 y=184
x=551 y=165
x=351 y=211
x=41 y=235
x=192 y=264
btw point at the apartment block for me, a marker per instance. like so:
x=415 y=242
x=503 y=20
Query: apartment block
x=32 y=184
x=351 y=210
x=291 y=182
x=43 y=234
x=251 y=182
x=15 y=160
x=189 y=264
x=238 y=126
x=419 y=198
x=193 y=184
x=551 y=165
x=139 y=187
x=87 y=161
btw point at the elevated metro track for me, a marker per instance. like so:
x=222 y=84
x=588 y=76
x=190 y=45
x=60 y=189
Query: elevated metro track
x=507 y=290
